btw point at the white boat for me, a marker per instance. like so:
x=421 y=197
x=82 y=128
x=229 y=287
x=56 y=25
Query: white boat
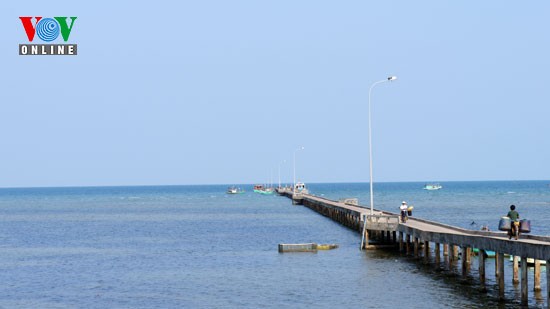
x=263 y=190
x=432 y=186
x=234 y=190
x=300 y=187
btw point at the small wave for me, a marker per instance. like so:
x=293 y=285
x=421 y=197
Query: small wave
x=511 y=192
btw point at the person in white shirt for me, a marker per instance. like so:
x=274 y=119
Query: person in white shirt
x=403 y=209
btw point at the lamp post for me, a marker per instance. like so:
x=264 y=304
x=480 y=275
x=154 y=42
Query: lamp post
x=294 y=166
x=284 y=161
x=389 y=79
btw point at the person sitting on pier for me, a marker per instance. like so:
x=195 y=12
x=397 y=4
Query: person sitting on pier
x=514 y=226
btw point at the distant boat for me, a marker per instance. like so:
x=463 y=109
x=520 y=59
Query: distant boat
x=267 y=191
x=263 y=190
x=432 y=186
x=300 y=187
x=234 y=190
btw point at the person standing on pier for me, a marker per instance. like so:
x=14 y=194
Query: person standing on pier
x=514 y=226
x=403 y=209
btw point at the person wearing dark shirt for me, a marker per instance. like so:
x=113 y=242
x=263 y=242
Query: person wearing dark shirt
x=514 y=226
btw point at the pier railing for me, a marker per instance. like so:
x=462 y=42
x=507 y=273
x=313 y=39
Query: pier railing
x=382 y=222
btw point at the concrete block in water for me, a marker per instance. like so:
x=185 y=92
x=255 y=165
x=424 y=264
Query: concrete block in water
x=308 y=247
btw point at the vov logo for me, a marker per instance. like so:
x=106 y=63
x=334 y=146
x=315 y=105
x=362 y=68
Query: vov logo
x=47 y=30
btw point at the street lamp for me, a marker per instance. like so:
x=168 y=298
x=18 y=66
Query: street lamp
x=389 y=79
x=284 y=161
x=294 y=167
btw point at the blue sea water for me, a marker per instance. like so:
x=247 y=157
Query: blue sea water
x=197 y=247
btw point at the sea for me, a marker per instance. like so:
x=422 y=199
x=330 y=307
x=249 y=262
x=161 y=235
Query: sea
x=198 y=247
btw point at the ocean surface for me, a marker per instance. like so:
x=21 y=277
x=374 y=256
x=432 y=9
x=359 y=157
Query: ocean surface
x=197 y=247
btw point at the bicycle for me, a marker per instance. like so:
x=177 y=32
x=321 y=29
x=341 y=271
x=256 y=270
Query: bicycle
x=404 y=216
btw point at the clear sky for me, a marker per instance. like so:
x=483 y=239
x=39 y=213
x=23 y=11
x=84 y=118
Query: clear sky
x=205 y=92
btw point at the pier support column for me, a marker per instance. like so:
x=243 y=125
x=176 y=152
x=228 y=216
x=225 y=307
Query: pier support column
x=515 y=279
x=497 y=257
x=536 y=283
x=481 y=267
x=394 y=234
x=465 y=261
x=408 y=243
x=400 y=241
x=445 y=249
x=524 y=286
x=455 y=253
x=547 y=284
x=416 y=247
x=437 y=253
x=426 y=252
x=500 y=278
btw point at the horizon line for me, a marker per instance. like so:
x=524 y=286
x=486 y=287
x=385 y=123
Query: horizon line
x=236 y=184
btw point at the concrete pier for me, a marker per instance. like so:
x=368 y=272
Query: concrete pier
x=377 y=228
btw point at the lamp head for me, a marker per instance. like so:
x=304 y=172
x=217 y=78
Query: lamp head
x=392 y=78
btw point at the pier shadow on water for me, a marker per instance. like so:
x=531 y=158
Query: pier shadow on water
x=465 y=286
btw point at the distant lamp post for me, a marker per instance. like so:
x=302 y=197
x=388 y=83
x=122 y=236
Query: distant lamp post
x=294 y=166
x=389 y=79
x=284 y=161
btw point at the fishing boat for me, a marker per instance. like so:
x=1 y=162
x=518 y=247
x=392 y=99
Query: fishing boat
x=267 y=191
x=263 y=190
x=234 y=190
x=432 y=186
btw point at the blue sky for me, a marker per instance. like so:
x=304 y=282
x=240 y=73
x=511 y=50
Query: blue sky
x=200 y=92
